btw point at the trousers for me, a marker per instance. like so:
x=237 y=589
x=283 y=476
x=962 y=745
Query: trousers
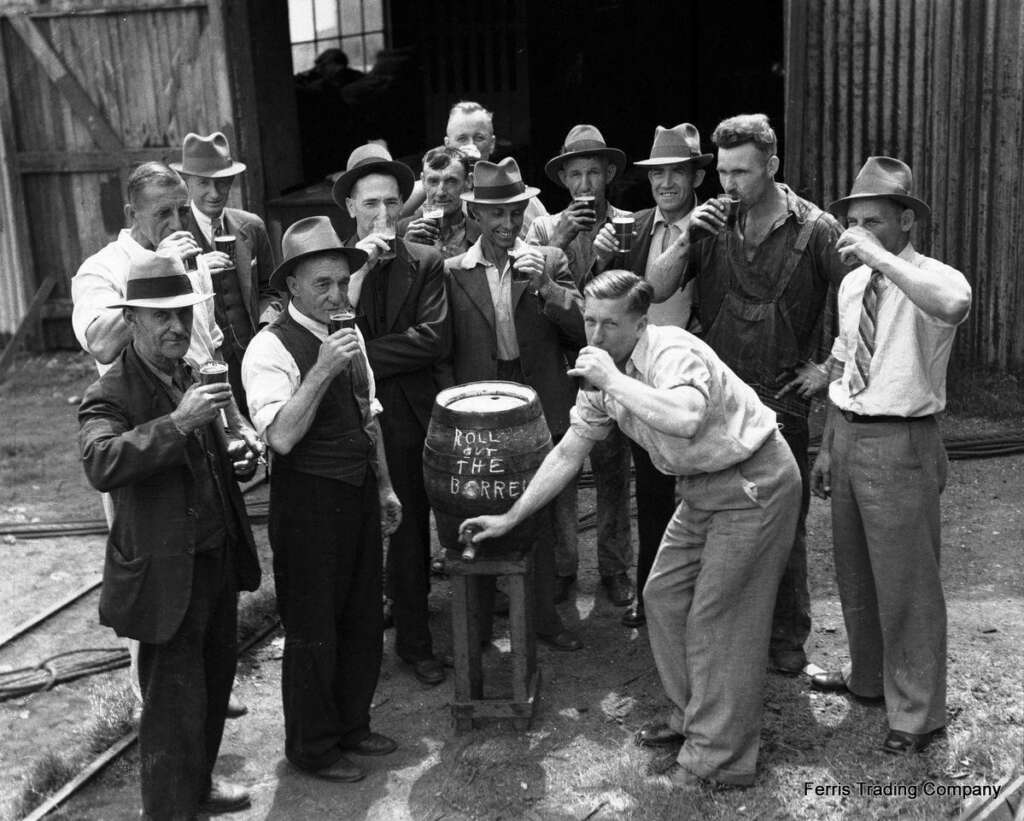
x=886 y=481
x=709 y=601
x=325 y=537
x=655 y=504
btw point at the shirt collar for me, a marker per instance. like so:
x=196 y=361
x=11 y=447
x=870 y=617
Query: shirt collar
x=315 y=327
x=204 y=222
x=659 y=217
x=475 y=255
x=166 y=379
x=639 y=355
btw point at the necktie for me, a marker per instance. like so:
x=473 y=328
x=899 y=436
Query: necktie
x=669 y=236
x=866 y=335
x=217 y=227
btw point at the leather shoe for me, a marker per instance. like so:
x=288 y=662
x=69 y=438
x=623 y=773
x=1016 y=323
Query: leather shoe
x=562 y=585
x=898 y=742
x=224 y=797
x=374 y=744
x=635 y=616
x=619 y=589
x=428 y=671
x=835 y=682
x=565 y=641
x=341 y=770
x=236 y=708
x=658 y=734
x=788 y=662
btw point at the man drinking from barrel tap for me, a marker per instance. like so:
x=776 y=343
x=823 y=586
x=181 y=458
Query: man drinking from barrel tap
x=243 y=300
x=712 y=588
x=514 y=310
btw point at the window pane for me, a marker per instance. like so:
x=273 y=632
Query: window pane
x=374 y=44
x=373 y=14
x=326 y=18
x=300 y=20
x=302 y=57
x=353 y=48
x=351 y=18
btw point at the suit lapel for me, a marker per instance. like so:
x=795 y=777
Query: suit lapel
x=473 y=281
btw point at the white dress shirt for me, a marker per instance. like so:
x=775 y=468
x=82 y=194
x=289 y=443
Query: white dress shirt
x=677 y=308
x=500 y=285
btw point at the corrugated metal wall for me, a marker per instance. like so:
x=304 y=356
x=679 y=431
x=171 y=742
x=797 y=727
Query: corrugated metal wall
x=940 y=84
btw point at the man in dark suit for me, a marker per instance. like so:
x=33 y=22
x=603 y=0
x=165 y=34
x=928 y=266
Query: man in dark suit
x=514 y=311
x=152 y=439
x=399 y=295
x=244 y=300
x=675 y=169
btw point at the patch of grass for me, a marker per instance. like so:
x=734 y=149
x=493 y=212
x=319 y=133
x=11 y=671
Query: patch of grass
x=44 y=777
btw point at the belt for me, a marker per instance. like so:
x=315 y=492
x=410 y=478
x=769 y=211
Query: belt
x=861 y=419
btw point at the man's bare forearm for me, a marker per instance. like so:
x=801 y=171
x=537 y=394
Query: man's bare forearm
x=559 y=468
x=380 y=460
x=294 y=419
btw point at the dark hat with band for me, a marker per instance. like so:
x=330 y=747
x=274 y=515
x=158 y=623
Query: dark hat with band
x=499 y=184
x=883 y=177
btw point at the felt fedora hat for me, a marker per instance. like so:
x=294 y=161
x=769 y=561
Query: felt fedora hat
x=158 y=280
x=678 y=144
x=584 y=141
x=309 y=236
x=499 y=184
x=372 y=158
x=883 y=177
x=207 y=157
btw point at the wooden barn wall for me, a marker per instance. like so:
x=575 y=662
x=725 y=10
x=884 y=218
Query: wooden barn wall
x=940 y=84
x=151 y=72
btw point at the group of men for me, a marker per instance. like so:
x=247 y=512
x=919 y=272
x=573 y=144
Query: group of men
x=692 y=350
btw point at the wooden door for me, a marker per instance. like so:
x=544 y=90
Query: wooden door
x=88 y=90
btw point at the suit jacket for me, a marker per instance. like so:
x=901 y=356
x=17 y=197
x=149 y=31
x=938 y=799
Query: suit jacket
x=131 y=449
x=406 y=345
x=641 y=241
x=254 y=261
x=547 y=325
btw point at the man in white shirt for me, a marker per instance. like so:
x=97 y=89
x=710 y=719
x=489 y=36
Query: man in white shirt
x=712 y=589
x=882 y=460
x=311 y=395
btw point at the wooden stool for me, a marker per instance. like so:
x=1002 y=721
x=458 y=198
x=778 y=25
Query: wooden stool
x=469 y=701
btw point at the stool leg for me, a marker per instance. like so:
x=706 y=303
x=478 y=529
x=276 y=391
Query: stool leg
x=465 y=638
x=519 y=627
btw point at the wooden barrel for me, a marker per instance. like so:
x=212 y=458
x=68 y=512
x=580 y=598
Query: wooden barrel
x=484 y=443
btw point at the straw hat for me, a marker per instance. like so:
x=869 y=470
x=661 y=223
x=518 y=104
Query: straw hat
x=158 y=280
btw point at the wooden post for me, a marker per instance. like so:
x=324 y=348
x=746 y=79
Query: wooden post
x=33 y=309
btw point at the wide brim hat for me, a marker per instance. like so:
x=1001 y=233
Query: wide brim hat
x=158 y=280
x=499 y=184
x=584 y=141
x=207 y=157
x=885 y=177
x=306 y=238
x=372 y=158
x=679 y=144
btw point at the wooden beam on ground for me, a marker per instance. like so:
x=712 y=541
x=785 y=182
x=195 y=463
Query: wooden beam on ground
x=7 y=357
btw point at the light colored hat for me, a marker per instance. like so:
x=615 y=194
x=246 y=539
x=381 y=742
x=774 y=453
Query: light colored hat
x=499 y=184
x=207 y=157
x=372 y=159
x=883 y=177
x=675 y=145
x=158 y=280
x=584 y=141
x=309 y=236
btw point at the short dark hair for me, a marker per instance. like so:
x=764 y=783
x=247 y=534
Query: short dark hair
x=746 y=128
x=438 y=159
x=155 y=174
x=616 y=284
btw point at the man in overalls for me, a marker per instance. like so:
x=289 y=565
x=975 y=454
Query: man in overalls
x=763 y=282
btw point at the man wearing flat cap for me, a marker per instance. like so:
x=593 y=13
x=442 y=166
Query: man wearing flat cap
x=243 y=301
x=585 y=167
x=766 y=268
x=675 y=168
x=312 y=396
x=403 y=312
x=515 y=310
x=151 y=437
x=882 y=461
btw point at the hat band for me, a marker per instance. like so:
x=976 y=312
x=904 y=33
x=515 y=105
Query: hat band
x=673 y=150
x=199 y=166
x=158 y=287
x=584 y=145
x=498 y=192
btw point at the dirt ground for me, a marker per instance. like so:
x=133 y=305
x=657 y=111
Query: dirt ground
x=577 y=760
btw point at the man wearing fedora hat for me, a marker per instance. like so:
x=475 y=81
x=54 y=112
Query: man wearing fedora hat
x=312 y=395
x=243 y=300
x=515 y=310
x=882 y=461
x=675 y=169
x=151 y=438
x=585 y=167
x=765 y=278
x=403 y=312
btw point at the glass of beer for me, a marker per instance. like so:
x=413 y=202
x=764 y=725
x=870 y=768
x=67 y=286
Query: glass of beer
x=385 y=228
x=733 y=211
x=435 y=215
x=226 y=245
x=623 y=227
x=214 y=373
x=587 y=201
x=517 y=274
x=340 y=319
